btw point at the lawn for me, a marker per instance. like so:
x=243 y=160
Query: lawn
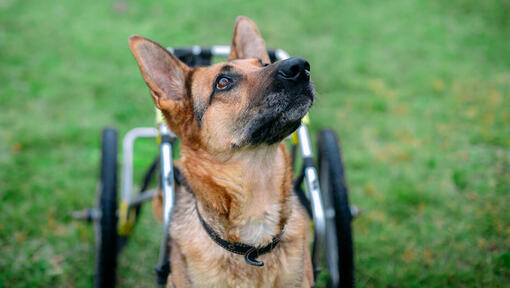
x=418 y=92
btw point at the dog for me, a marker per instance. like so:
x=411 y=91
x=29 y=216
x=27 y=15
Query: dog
x=236 y=194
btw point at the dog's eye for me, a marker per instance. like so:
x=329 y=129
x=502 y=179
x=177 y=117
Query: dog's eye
x=223 y=83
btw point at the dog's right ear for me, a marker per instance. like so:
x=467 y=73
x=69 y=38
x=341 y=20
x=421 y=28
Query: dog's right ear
x=163 y=72
x=247 y=41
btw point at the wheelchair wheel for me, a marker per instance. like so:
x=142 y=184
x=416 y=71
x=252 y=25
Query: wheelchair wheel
x=339 y=246
x=106 y=225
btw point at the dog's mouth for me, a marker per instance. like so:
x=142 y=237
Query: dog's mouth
x=278 y=121
x=273 y=130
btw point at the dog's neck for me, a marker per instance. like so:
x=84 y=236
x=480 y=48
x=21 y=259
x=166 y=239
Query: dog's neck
x=244 y=196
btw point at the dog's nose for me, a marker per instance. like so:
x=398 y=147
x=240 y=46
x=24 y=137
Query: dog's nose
x=294 y=69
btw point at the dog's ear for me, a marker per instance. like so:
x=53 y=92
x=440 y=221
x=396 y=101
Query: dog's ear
x=162 y=71
x=247 y=42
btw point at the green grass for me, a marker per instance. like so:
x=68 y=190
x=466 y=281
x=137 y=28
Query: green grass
x=418 y=91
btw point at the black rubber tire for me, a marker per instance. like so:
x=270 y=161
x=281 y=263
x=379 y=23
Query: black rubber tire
x=332 y=181
x=106 y=226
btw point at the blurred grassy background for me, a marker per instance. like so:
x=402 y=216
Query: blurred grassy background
x=418 y=91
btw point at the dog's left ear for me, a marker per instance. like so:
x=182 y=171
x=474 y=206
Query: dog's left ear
x=247 y=42
x=163 y=72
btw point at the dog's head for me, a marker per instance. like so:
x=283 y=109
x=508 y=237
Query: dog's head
x=244 y=102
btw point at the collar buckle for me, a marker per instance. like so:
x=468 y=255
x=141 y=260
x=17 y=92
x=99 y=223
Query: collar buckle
x=250 y=258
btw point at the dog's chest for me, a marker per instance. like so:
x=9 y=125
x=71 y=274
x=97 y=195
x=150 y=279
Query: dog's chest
x=261 y=226
x=209 y=265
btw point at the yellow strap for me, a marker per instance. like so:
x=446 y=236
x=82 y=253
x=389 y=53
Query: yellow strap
x=306 y=120
x=159 y=120
x=295 y=138
x=159 y=117
x=126 y=219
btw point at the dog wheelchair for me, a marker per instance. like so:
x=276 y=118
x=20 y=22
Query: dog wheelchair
x=322 y=192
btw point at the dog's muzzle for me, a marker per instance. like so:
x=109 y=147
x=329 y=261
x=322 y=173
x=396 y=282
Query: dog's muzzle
x=287 y=99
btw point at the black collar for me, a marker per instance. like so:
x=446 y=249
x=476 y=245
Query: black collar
x=251 y=253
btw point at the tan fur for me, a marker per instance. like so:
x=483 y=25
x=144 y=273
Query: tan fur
x=242 y=191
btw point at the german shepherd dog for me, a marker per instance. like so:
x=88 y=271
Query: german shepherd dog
x=236 y=196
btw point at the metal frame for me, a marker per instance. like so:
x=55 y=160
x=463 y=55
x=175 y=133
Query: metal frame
x=128 y=144
x=129 y=200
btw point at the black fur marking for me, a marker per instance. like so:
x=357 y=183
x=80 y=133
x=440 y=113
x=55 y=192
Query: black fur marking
x=187 y=83
x=226 y=68
x=234 y=146
x=262 y=63
x=212 y=94
x=197 y=110
x=199 y=113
